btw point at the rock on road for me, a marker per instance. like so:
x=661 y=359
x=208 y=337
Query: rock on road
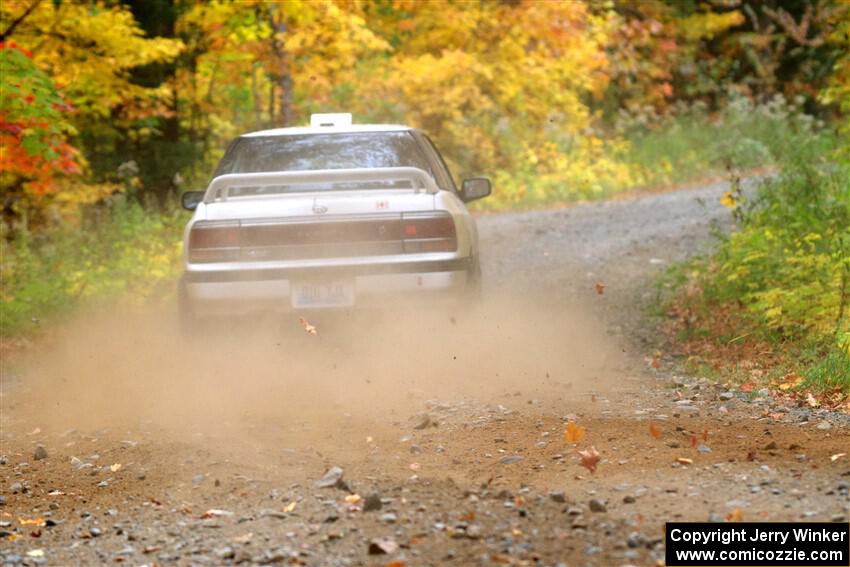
x=425 y=438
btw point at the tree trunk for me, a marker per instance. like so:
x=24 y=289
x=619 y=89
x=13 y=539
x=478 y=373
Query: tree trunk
x=282 y=74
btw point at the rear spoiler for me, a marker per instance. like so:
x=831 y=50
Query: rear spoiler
x=419 y=179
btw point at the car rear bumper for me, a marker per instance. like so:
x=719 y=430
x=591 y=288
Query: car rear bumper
x=239 y=292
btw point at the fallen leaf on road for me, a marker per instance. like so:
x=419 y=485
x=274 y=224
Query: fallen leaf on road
x=589 y=458
x=600 y=288
x=684 y=461
x=468 y=517
x=747 y=387
x=308 y=328
x=735 y=515
x=837 y=456
x=115 y=468
x=290 y=507
x=791 y=381
x=810 y=399
x=352 y=498
x=573 y=433
x=694 y=440
x=654 y=361
x=655 y=431
x=705 y=434
x=752 y=456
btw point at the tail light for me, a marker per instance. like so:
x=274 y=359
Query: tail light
x=232 y=241
x=214 y=242
x=428 y=232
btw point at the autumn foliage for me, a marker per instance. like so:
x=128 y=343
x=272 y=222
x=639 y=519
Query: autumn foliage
x=33 y=126
x=542 y=96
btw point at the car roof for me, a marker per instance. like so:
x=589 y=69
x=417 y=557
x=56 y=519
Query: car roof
x=347 y=129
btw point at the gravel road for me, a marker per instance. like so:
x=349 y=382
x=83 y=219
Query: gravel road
x=426 y=437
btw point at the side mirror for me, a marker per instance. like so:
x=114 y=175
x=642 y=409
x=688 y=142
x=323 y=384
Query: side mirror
x=191 y=199
x=475 y=188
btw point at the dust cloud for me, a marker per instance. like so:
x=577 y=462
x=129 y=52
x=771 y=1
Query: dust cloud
x=133 y=370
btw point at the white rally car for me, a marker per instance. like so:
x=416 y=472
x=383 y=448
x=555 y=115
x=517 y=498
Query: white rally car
x=334 y=215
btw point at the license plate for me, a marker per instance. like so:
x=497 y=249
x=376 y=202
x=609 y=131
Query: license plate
x=311 y=294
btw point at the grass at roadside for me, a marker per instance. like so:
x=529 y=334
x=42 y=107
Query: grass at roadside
x=771 y=306
x=694 y=143
x=122 y=251
x=647 y=151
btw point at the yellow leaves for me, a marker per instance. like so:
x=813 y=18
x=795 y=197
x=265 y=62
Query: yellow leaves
x=773 y=312
x=573 y=433
x=791 y=381
x=88 y=51
x=655 y=431
x=510 y=81
x=72 y=195
x=736 y=515
x=708 y=24
x=728 y=200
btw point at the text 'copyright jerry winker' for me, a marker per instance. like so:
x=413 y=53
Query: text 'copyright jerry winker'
x=813 y=544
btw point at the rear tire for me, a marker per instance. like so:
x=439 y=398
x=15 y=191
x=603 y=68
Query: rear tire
x=473 y=282
x=187 y=320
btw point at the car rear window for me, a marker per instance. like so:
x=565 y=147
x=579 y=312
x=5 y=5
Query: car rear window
x=323 y=151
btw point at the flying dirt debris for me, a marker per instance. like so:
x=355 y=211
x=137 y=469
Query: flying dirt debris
x=268 y=411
